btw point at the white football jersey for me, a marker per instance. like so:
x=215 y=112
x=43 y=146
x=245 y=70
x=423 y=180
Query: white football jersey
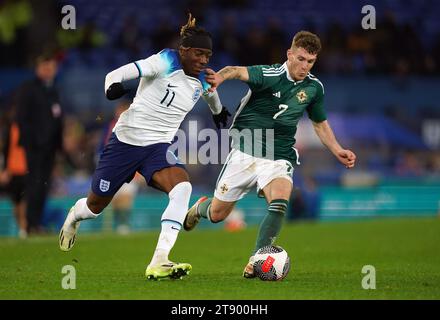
x=164 y=97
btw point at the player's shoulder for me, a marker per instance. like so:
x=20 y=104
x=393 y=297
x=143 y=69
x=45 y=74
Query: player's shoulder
x=171 y=59
x=167 y=52
x=314 y=81
x=272 y=70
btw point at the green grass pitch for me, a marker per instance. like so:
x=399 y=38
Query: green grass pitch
x=327 y=260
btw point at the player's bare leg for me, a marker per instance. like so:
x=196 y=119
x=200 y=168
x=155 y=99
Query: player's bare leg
x=175 y=182
x=85 y=208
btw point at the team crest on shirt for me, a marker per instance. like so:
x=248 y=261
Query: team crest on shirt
x=197 y=94
x=104 y=185
x=224 y=188
x=301 y=96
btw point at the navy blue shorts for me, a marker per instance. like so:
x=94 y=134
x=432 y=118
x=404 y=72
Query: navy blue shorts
x=120 y=161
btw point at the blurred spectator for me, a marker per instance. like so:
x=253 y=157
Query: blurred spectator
x=231 y=4
x=164 y=35
x=85 y=39
x=197 y=8
x=76 y=147
x=305 y=203
x=13 y=174
x=40 y=117
x=254 y=50
x=235 y=221
x=276 y=37
x=433 y=164
x=359 y=48
x=334 y=58
x=90 y=37
x=129 y=38
x=15 y=17
x=408 y=164
x=436 y=53
x=228 y=39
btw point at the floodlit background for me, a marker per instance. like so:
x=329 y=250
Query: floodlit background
x=381 y=94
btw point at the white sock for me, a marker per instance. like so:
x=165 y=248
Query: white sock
x=82 y=212
x=172 y=220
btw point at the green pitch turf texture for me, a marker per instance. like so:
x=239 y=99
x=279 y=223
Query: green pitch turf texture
x=327 y=259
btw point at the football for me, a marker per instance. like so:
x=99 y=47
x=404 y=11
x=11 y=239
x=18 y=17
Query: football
x=271 y=263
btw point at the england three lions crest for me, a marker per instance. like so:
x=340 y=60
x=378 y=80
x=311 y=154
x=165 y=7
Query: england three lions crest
x=104 y=185
x=197 y=94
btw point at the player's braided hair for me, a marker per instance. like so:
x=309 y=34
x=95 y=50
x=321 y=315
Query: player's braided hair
x=190 y=29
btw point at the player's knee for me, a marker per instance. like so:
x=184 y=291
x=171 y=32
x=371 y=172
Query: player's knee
x=97 y=205
x=181 y=190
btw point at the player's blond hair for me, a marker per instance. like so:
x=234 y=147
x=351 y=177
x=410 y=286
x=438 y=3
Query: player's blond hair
x=308 y=41
x=190 y=24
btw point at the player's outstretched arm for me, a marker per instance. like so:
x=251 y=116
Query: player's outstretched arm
x=220 y=113
x=327 y=137
x=114 y=88
x=215 y=79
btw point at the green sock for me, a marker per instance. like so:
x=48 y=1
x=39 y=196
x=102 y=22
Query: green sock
x=271 y=225
x=203 y=209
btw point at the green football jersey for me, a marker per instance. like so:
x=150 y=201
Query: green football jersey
x=266 y=121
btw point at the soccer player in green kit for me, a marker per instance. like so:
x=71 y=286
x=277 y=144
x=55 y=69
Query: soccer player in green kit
x=277 y=98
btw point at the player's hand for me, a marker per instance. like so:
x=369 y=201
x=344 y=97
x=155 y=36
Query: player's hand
x=221 y=118
x=213 y=78
x=347 y=158
x=115 y=91
x=5 y=177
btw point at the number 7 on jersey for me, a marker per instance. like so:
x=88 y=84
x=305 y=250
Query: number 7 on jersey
x=283 y=108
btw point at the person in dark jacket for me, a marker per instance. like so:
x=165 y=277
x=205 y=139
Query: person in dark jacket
x=40 y=119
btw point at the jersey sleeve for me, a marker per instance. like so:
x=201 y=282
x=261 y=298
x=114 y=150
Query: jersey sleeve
x=162 y=63
x=257 y=81
x=151 y=67
x=213 y=101
x=315 y=109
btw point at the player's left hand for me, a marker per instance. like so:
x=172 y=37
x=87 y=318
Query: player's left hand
x=347 y=158
x=116 y=91
x=221 y=118
x=5 y=177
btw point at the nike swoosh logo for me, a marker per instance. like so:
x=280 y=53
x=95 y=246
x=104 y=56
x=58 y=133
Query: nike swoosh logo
x=171 y=86
x=175 y=228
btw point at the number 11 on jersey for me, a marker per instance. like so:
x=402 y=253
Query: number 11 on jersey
x=166 y=96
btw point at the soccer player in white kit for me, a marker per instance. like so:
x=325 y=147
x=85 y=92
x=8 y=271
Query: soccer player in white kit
x=171 y=82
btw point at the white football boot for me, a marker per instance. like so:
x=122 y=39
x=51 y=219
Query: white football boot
x=68 y=232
